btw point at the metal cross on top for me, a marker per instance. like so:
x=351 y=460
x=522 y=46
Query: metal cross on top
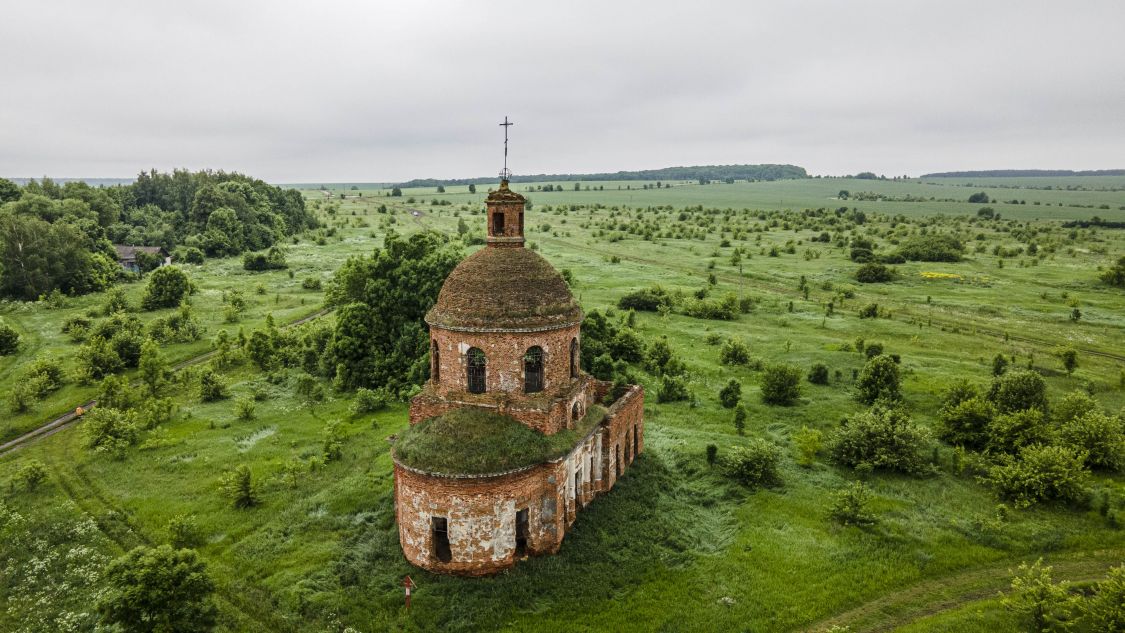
x=506 y=174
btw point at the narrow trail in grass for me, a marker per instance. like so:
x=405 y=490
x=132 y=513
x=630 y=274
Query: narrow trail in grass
x=924 y=599
x=964 y=326
x=114 y=522
x=72 y=417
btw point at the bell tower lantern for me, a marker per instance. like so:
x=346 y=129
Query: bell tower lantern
x=505 y=217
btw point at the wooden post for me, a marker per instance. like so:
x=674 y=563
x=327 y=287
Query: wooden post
x=408 y=584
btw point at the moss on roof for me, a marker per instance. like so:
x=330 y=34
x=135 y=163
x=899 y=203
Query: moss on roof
x=501 y=288
x=471 y=441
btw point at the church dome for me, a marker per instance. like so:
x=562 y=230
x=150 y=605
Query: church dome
x=504 y=289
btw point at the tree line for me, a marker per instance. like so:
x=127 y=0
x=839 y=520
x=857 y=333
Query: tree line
x=61 y=237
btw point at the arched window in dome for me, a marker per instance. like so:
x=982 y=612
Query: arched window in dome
x=475 y=368
x=498 y=223
x=435 y=362
x=533 y=370
x=574 y=357
x=576 y=412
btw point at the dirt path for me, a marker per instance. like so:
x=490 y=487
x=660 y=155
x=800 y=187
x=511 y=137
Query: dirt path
x=931 y=597
x=71 y=418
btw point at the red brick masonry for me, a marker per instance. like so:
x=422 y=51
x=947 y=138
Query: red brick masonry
x=480 y=511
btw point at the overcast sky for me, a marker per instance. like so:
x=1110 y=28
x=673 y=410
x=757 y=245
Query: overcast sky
x=387 y=91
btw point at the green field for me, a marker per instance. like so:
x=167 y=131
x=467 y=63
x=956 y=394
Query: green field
x=675 y=546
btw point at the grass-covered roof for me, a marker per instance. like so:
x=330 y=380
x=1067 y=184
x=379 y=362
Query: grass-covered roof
x=471 y=441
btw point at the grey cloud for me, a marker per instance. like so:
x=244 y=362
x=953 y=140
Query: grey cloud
x=355 y=91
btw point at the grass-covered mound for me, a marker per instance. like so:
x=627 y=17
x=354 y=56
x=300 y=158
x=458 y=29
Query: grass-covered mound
x=471 y=441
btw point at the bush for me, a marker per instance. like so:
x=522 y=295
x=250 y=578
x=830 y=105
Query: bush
x=1009 y=432
x=851 y=506
x=1115 y=274
x=167 y=287
x=808 y=444
x=873 y=349
x=1099 y=436
x=818 y=374
x=1019 y=390
x=30 y=475
x=726 y=309
x=1073 y=406
x=9 y=340
x=244 y=408
x=116 y=393
x=999 y=365
x=184 y=532
x=756 y=464
x=734 y=352
x=967 y=422
x=1105 y=610
x=1041 y=474
x=238 y=486
x=730 y=394
x=312 y=283
x=369 y=401
x=879 y=380
x=110 y=431
x=189 y=255
x=873 y=273
x=273 y=260
x=1039 y=602
x=781 y=385
x=933 y=247
x=646 y=300
x=672 y=389
x=157 y=589
x=333 y=443
x=869 y=311
x=211 y=386
x=882 y=438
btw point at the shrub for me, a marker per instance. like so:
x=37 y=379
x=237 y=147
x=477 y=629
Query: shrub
x=730 y=394
x=244 y=408
x=881 y=438
x=167 y=287
x=110 y=431
x=869 y=311
x=1115 y=274
x=1099 y=436
x=9 y=340
x=658 y=355
x=184 y=532
x=967 y=422
x=46 y=375
x=879 y=380
x=712 y=454
x=734 y=352
x=116 y=393
x=1009 y=432
x=672 y=389
x=238 y=486
x=1072 y=406
x=740 y=419
x=808 y=444
x=874 y=273
x=818 y=374
x=1039 y=602
x=999 y=365
x=781 y=385
x=116 y=301
x=189 y=255
x=851 y=506
x=752 y=465
x=312 y=283
x=157 y=589
x=873 y=349
x=1019 y=390
x=333 y=442
x=1041 y=474
x=647 y=300
x=1105 y=610
x=157 y=412
x=726 y=309
x=932 y=247
x=369 y=401
x=211 y=386
x=273 y=260
x=30 y=475
x=713 y=338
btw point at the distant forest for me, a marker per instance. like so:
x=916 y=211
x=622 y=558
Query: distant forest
x=698 y=172
x=1010 y=173
x=61 y=237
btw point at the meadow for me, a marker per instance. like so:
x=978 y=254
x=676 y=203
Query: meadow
x=675 y=546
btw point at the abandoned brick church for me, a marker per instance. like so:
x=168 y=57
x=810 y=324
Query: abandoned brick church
x=509 y=438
